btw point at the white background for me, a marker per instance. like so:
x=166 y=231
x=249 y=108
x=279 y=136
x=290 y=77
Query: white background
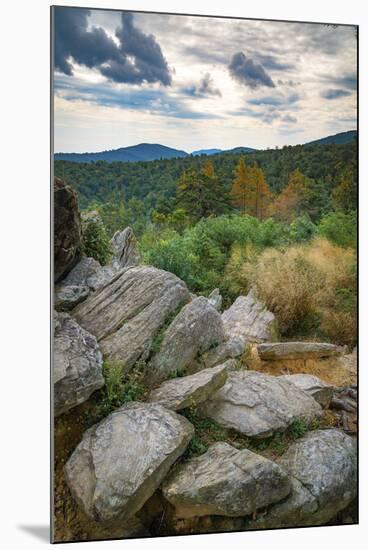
x=24 y=252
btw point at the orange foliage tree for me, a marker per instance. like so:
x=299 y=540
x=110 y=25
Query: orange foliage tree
x=250 y=191
x=287 y=205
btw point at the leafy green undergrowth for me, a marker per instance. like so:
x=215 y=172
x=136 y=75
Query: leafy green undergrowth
x=120 y=387
x=208 y=431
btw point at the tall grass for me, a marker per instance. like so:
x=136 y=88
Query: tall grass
x=309 y=287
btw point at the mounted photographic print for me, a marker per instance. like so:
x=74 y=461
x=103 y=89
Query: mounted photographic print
x=204 y=361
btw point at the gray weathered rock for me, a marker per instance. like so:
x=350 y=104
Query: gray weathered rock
x=215 y=299
x=230 y=349
x=76 y=286
x=257 y=404
x=194 y=330
x=325 y=462
x=225 y=481
x=121 y=461
x=127 y=314
x=297 y=350
x=125 y=247
x=190 y=390
x=67 y=229
x=313 y=385
x=77 y=364
x=66 y=297
x=250 y=320
x=299 y=507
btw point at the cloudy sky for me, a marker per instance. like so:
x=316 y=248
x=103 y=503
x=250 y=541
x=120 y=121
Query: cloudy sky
x=123 y=78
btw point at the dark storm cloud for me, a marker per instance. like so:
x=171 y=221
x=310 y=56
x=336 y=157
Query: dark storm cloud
x=141 y=57
x=205 y=88
x=348 y=81
x=137 y=59
x=249 y=72
x=90 y=48
x=334 y=94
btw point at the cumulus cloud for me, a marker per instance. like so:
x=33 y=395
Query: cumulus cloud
x=249 y=72
x=138 y=57
x=334 y=93
x=205 y=88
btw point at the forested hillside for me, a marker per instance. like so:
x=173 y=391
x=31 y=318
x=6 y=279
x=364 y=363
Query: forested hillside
x=152 y=183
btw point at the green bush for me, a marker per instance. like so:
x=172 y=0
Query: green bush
x=302 y=229
x=96 y=243
x=340 y=228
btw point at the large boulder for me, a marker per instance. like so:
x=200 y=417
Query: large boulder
x=194 y=330
x=121 y=461
x=297 y=350
x=77 y=364
x=67 y=229
x=127 y=313
x=125 y=247
x=180 y=393
x=257 y=405
x=225 y=481
x=249 y=320
x=294 y=511
x=66 y=297
x=313 y=385
x=325 y=463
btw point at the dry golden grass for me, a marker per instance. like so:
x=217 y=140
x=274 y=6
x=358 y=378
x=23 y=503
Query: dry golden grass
x=303 y=285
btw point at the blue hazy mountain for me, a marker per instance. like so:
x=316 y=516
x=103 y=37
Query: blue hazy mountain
x=134 y=153
x=206 y=152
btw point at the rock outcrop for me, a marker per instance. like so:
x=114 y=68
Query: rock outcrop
x=225 y=481
x=313 y=385
x=77 y=285
x=186 y=391
x=121 y=461
x=77 y=364
x=67 y=229
x=249 y=320
x=125 y=247
x=297 y=350
x=194 y=330
x=257 y=405
x=127 y=313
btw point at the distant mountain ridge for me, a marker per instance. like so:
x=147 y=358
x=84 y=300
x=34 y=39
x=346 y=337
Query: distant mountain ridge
x=337 y=139
x=134 y=153
x=156 y=151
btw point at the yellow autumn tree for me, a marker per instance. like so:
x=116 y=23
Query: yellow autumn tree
x=250 y=191
x=287 y=205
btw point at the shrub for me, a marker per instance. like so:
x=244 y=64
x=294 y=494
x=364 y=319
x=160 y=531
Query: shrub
x=120 y=387
x=339 y=228
x=96 y=243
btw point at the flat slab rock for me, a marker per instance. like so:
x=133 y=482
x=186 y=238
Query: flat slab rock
x=196 y=328
x=77 y=364
x=297 y=350
x=225 y=481
x=190 y=390
x=258 y=405
x=248 y=319
x=121 y=461
x=126 y=314
x=313 y=385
